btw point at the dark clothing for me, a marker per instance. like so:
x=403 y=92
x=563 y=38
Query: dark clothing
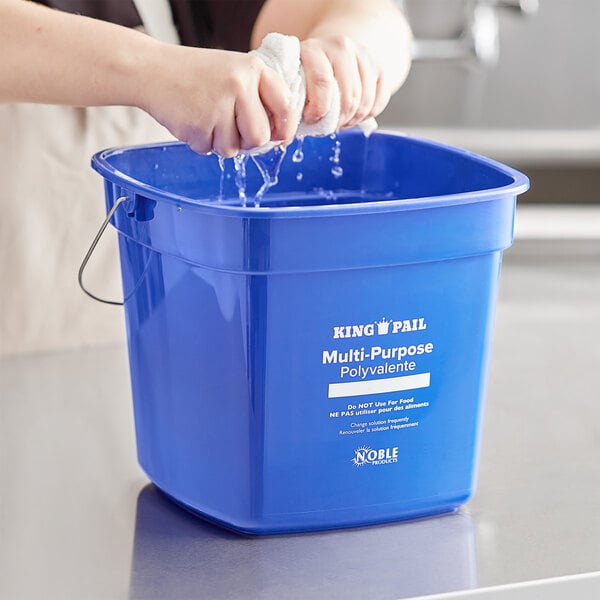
x=121 y=12
x=225 y=24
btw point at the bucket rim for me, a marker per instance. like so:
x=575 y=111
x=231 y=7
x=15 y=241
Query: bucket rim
x=519 y=184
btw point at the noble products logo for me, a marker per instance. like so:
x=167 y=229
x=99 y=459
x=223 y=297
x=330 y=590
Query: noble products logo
x=366 y=455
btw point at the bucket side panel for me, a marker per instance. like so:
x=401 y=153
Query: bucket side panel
x=187 y=335
x=374 y=393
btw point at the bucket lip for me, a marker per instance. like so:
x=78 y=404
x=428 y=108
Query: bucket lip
x=520 y=184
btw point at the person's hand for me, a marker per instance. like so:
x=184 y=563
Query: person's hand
x=364 y=92
x=219 y=101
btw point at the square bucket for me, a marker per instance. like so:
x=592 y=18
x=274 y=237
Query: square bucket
x=318 y=361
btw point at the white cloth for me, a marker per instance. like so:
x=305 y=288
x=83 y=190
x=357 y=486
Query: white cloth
x=282 y=53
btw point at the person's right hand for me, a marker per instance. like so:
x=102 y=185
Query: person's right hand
x=337 y=59
x=216 y=100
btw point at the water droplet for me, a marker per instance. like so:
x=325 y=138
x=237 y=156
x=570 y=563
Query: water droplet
x=298 y=155
x=336 y=170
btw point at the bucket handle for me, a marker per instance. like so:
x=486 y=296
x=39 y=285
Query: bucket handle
x=89 y=253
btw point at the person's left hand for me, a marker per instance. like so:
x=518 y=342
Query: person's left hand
x=363 y=89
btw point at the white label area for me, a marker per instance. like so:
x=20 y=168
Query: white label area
x=379 y=386
x=378 y=377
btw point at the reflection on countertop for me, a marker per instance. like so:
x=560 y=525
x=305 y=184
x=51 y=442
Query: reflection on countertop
x=178 y=555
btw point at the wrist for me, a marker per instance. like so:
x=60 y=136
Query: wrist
x=134 y=69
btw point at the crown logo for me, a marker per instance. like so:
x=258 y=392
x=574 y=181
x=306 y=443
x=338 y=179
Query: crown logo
x=383 y=326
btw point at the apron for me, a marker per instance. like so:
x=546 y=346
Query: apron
x=51 y=205
x=51 y=201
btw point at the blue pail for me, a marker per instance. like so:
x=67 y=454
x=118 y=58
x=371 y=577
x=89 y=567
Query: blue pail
x=318 y=361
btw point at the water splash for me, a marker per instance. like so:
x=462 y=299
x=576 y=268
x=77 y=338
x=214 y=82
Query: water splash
x=268 y=164
x=222 y=177
x=239 y=163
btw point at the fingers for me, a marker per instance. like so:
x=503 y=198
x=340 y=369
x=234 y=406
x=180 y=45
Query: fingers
x=277 y=100
x=226 y=140
x=252 y=122
x=382 y=97
x=243 y=110
x=342 y=52
x=320 y=80
x=199 y=141
x=368 y=89
x=360 y=80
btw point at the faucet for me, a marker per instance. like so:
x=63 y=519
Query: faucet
x=477 y=37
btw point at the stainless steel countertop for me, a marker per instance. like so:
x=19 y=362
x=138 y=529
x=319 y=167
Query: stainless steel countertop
x=78 y=519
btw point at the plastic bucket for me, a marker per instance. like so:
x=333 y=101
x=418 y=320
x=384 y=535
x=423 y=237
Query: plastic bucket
x=315 y=362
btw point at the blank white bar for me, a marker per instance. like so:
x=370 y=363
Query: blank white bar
x=379 y=386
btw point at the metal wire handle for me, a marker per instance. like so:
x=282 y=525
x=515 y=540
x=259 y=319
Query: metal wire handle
x=89 y=253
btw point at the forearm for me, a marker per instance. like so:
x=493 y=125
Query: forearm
x=210 y=99
x=377 y=24
x=49 y=56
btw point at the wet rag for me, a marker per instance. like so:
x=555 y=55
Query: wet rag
x=282 y=53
